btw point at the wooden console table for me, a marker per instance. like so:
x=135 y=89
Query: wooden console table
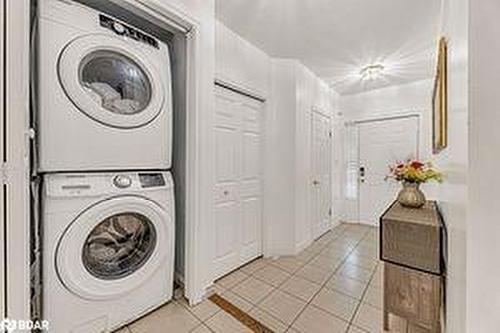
x=412 y=246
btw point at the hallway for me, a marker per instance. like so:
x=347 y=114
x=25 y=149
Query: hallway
x=334 y=285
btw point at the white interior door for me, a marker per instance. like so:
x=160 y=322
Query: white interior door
x=382 y=143
x=321 y=171
x=238 y=195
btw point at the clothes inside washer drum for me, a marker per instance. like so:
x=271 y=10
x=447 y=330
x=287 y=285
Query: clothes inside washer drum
x=119 y=245
x=110 y=99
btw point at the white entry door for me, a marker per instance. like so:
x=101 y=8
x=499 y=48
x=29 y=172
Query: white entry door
x=238 y=195
x=321 y=171
x=382 y=143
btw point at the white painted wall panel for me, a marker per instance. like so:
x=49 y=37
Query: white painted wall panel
x=295 y=92
x=279 y=171
x=452 y=194
x=483 y=229
x=240 y=63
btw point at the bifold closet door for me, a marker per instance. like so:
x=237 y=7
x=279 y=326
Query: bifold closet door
x=238 y=195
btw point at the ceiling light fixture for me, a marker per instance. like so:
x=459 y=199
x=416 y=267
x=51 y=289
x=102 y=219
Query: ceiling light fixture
x=371 y=72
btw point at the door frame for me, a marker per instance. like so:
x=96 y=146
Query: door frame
x=3 y=244
x=381 y=119
x=199 y=219
x=328 y=115
x=15 y=159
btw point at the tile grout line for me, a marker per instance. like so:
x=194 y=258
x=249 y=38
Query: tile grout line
x=305 y=263
x=351 y=322
x=324 y=284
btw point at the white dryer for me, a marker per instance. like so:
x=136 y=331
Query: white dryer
x=104 y=90
x=108 y=242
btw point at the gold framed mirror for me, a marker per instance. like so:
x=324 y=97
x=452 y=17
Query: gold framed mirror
x=440 y=100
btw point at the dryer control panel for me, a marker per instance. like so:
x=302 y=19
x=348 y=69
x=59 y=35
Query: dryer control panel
x=122 y=29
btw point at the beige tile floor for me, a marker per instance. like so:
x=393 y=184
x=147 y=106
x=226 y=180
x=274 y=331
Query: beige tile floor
x=332 y=286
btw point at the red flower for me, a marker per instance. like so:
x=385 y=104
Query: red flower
x=417 y=165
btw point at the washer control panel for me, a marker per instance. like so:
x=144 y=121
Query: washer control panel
x=122 y=29
x=151 y=180
x=107 y=183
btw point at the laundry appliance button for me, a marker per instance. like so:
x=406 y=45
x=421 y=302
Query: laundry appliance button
x=122 y=181
x=118 y=28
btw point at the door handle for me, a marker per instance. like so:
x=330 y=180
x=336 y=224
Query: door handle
x=315 y=182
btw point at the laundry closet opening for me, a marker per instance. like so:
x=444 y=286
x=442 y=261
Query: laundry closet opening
x=138 y=103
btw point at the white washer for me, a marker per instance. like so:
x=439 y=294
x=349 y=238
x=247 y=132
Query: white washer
x=104 y=90
x=108 y=241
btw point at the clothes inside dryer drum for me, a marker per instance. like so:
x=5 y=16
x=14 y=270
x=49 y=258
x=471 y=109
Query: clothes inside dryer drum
x=119 y=246
x=115 y=81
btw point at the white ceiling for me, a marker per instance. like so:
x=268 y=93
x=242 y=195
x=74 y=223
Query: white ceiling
x=337 y=38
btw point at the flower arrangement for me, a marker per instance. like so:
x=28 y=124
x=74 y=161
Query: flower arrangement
x=415 y=172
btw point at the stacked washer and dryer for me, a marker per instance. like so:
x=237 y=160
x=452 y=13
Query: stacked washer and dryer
x=104 y=129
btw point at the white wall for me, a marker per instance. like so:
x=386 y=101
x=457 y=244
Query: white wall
x=452 y=194
x=483 y=227
x=295 y=91
x=311 y=93
x=279 y=169
x=240 y=63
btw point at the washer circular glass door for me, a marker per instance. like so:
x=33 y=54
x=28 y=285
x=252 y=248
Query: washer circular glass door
x=112 y=81
x=113 y=247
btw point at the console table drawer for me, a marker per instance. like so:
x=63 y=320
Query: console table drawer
x=412 y=294
x=413 y=237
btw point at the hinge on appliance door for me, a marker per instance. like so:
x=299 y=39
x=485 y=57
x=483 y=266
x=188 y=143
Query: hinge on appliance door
x=31 y=133
x=5 y=173
x=330 y=212
x=330 y=134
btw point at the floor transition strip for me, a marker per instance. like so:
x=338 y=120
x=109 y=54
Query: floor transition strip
x=240 y=315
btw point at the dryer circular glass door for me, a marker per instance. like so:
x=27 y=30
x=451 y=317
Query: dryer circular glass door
x=113 y=247
x=112 y=81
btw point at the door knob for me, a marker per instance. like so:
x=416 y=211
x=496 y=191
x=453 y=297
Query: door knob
x=315 y=182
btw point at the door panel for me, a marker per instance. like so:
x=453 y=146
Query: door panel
x=251 y=223
x=227 y=236
x=251 y=156
x=238 y=207
x=382 y=143
x=226 y=154
x=321 y=192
